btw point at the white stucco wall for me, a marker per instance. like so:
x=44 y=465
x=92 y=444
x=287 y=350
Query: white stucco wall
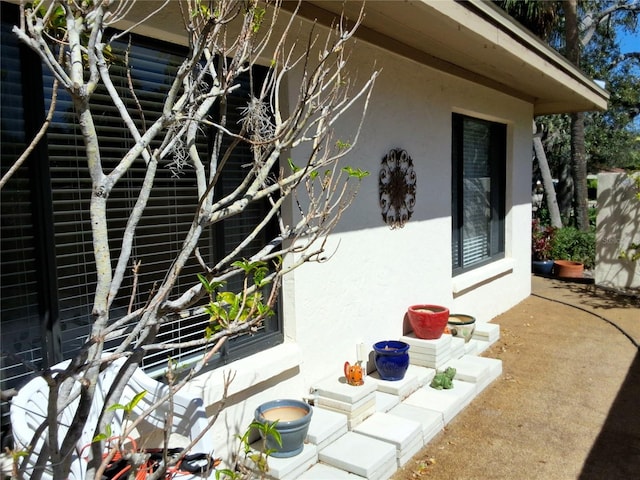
x=362 y=293
x=375 y=273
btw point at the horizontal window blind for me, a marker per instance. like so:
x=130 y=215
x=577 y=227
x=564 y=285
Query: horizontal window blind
x=166 y=220
x=19 y=302
x=478 y=163
x=159 y=235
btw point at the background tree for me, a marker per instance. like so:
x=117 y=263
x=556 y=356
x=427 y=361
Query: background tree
x=608 y=139
x=225 y=40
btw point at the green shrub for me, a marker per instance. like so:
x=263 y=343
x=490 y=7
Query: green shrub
x=569 y=243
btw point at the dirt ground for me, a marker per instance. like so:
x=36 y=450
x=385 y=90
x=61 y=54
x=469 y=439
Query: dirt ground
x=567 y=405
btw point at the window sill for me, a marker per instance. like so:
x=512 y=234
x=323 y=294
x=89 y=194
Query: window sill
x=248 y=371
x=482 y=275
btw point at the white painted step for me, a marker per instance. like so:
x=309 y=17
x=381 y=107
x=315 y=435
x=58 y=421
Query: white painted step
x=292 y=467
x=489 y=332
x=401 y=388
x=404 y=434
x=431 y=347
x=326 y=427
x=448 y=402
x=432 y=422
x=365 y=456
x=386 y=401
x=322 y=471
x=335 y=387
x=423 y=374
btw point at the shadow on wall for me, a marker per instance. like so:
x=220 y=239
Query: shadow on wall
x=616 y=452
x=618 y=225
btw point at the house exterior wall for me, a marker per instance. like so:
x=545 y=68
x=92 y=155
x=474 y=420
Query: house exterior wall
x=361 y=294
x=375 y=273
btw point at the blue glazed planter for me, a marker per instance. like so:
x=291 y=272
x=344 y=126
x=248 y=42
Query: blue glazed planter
x=391 y=359
x=541 y=267
x=293 y=418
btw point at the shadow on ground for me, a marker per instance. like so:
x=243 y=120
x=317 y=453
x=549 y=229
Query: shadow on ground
x=599 y=297
x=616 y=451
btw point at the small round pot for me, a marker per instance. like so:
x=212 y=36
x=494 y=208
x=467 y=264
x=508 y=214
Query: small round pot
x=461 y=325
x=392 y=359
x=293 y=417
x=568 y=269
x=542 y=267
x=428 y=321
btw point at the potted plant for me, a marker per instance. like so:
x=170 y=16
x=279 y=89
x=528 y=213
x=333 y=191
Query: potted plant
x=291 y=419
x=573 y=251
x=428 y=321
x=541 y=247
x=392 y=359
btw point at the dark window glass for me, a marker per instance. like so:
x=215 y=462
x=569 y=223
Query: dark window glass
x=478 y=191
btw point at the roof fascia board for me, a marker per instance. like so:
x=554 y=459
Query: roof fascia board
x=492 y=14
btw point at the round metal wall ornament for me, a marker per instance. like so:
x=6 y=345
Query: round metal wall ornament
x=397 y=188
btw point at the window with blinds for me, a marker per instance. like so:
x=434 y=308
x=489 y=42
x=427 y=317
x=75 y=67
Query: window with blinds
x=47 y=273
x=478 y=191
x=21 y=295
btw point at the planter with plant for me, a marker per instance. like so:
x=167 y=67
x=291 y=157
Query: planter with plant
x=542 y=237
x=290 y=419
x=573 y=251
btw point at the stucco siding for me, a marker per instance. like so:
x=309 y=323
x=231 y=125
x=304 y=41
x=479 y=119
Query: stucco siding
x=375 y=273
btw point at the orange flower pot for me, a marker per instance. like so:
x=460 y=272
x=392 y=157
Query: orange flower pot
x=568 y=269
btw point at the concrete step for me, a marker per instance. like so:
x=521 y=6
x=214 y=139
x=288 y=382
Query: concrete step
x=431 y=421
x=369 y=431
x=292 y=467
x=447 y=402
x=322 y=471
x=363 y=455
x=399 y=388
x=478 y=370
x=326 y=427
x=356 y=402
x=404 y=434
x=385 y=401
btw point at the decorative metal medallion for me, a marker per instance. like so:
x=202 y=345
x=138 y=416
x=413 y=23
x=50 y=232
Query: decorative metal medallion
x=397 y=188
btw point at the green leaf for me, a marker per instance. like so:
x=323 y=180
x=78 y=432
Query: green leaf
x=357 y=173
x=229 y=298
x=293 y=167
x=128 y=408
x=116 y=406
x=102 y=436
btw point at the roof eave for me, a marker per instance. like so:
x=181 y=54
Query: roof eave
x=473 y=40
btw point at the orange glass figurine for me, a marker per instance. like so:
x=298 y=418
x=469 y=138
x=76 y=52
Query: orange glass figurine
x=353 y=374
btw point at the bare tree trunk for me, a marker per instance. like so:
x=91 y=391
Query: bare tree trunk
x=547 y=180
x=578 y=156
x=579 y=171
x=565 y=192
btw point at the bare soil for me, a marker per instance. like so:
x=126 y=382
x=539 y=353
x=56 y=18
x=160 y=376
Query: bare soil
x=567 y=405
